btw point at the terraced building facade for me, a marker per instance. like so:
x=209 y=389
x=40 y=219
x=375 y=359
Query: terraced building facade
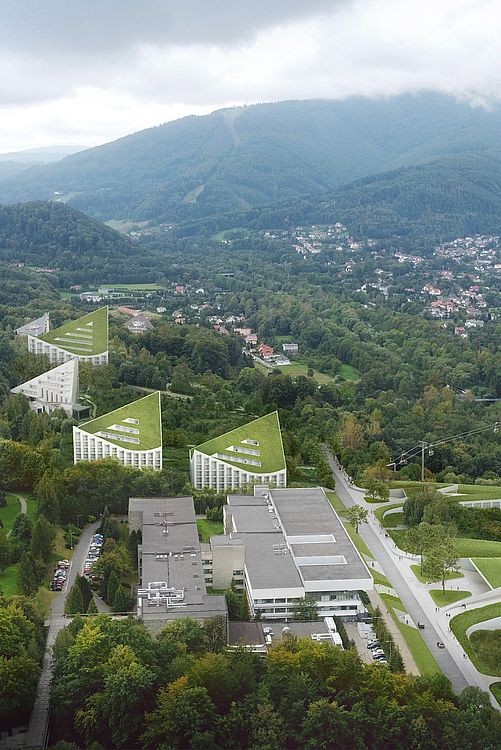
x=251 y=454
x=132 y=434
x=85 y=339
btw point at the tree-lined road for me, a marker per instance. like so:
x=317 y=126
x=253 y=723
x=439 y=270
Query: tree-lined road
x=351 y=495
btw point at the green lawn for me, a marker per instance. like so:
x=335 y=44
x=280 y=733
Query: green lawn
x=464 y=547
x=85 y=336
x=462 y=622
x=148 y=429
x=477 y=547
x=347 y=372
x=259 y=441
x=424 y=659
x=296 y=369
x=416 y=569
x=32 y=507
x=336 y=502
x=8 y=580
x=490 y=568
x=133 y=287
x=379 y=578
x=208 y=528
x=380 y=513
x=441 y=598
x=10 y=511
x=495 y=689
x=468 y=491
x=393 y=519
x=358 y=541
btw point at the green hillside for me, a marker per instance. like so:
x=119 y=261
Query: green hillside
x=238 y=158
x=80 y=248
x=424 y=203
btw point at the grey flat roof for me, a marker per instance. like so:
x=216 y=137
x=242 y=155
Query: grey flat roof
x=244 y=500
x=304 y=512
x=248 y=633
x=173 y=556
x=266 y=568
x=254 y=518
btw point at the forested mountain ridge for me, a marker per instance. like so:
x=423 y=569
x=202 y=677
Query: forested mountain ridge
x=55 y=235
x=238 y=158
x=419 y=204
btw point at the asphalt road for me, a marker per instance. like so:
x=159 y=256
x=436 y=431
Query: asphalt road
x=77 y=564
x=351 y=496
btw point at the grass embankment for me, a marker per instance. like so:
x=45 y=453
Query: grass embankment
x=424 y=659
x=207 y=528
x=416 y=569
x=442 y=598
x=465 y=491
x=495 y=689
x=477 y=547
x=336 y=502
x=385 y=518
x=461 y=623
x=490 y=567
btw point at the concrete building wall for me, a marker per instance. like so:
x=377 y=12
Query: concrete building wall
x=227 y=565
x=207 y=471
x=87 y=447
x=59 y=356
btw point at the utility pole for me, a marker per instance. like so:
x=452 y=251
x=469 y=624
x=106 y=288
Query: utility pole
x=423 y=448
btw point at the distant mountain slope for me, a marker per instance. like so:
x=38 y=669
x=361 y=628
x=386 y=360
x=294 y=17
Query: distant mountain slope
x=238 y=158
x=423 y=203
x=57 y=236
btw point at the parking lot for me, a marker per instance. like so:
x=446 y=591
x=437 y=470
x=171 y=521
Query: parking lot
x=93 y=554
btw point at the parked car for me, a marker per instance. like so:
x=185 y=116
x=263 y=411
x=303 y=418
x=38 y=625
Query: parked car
x=268 y=631
x=374 y=644
x=377 y=652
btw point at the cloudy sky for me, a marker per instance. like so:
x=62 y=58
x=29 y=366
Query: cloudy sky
x=88 y=71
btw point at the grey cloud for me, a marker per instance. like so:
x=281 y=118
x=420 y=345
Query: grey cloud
x=81 y=27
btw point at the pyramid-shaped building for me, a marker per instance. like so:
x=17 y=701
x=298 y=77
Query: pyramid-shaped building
x=251 y=454
x=54 y=389
x=85 y=339
x=132 y=434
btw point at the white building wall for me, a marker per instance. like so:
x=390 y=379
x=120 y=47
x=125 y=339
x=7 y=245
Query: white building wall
x=87 y=447
x=58 y=356
x=54 y=389
x=207 y=471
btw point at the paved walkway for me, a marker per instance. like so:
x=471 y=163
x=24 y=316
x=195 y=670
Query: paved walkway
x=409 y=663
x=377 y=543
x=38 y=729
x=397 y=567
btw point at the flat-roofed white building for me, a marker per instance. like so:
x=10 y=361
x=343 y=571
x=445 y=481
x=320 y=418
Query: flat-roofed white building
x=35 y=327
x=54 y=389
x=132 y=434
x=85 y=339
x=295 y=548
x=252 y=453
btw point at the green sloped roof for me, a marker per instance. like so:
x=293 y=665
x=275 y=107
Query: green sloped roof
x=85 y=337
x=256 y=446
x=140 y=423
